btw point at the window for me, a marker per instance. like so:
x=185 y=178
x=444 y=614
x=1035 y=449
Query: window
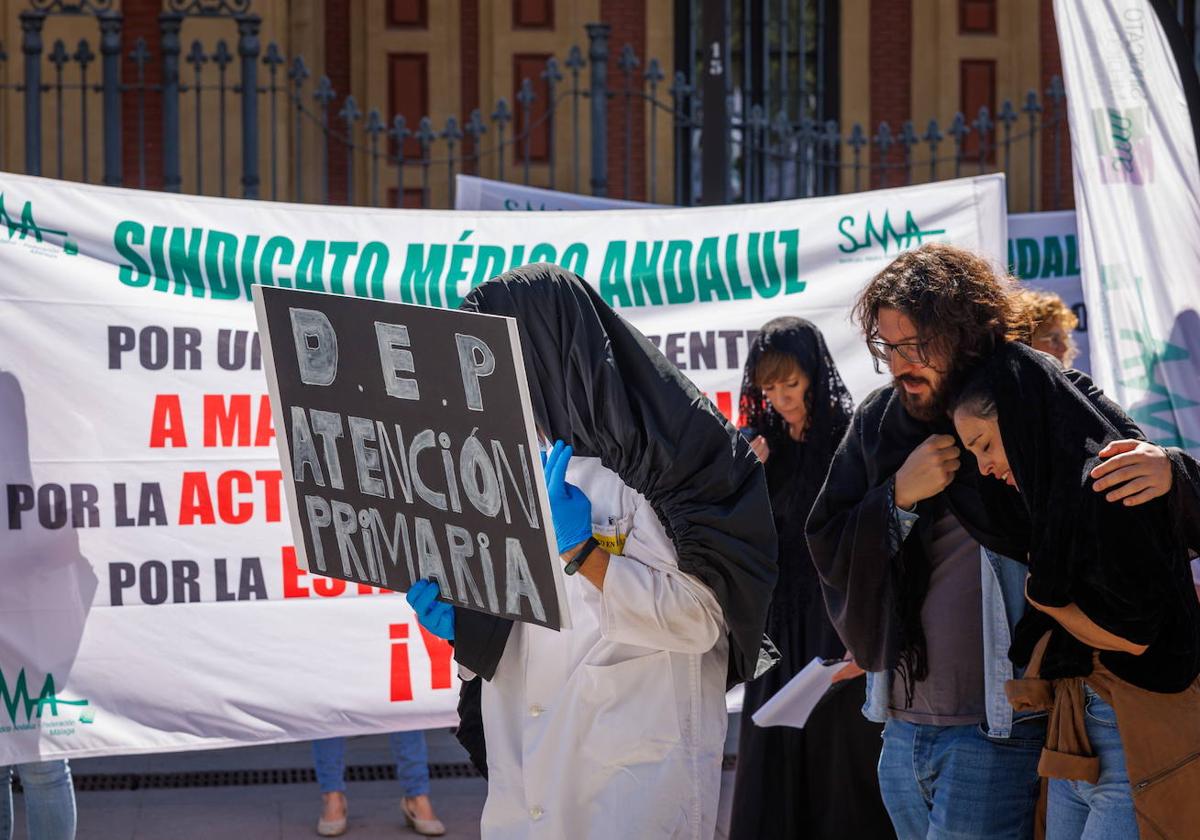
x=531 y=66
x=409 y=14
x=413 y=197
x=977 y=79
x=408 y=95
x=533 y=14
x=977 y=17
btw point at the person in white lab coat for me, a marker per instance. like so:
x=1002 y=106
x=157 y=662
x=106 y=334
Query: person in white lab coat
x=615 y=728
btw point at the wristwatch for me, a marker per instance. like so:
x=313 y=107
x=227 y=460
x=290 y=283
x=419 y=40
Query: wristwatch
x=588 y=547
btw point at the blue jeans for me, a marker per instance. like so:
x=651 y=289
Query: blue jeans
x=956 y=783
x=49 y=800
x=408 y=749
x=1103 y=811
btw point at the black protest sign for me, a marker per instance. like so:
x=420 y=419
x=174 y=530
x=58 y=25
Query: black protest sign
x=409 y=451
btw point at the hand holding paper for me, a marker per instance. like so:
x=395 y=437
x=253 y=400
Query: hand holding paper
x=793 y=703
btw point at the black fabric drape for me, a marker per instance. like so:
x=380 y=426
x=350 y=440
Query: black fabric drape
x=601 y=386
x=1124 y=566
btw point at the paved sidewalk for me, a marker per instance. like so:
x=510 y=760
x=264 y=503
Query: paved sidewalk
x=274 y=811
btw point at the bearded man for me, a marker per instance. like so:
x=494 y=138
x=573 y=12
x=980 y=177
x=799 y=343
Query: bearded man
x=922 y=580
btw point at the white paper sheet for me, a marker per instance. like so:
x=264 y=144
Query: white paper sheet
x=793 y=703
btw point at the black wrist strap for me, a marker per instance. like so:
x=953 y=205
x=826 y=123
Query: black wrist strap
x=581 y=555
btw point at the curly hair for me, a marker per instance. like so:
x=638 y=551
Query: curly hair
x=1039 y=309
x=961 y=307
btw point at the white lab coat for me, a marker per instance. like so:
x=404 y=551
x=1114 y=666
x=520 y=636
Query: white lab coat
x=616 y=727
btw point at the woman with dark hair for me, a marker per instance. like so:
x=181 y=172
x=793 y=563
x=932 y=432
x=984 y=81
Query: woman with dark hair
x=796 y=782
x=1112 y=644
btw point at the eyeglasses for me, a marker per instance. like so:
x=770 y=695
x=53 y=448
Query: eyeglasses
x=913 y=352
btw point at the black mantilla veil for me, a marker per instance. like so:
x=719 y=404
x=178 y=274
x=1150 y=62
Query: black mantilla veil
x=1125 y=567
x=796 y=470
x=601 y=386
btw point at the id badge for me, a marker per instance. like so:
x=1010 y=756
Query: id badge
x=612 y=533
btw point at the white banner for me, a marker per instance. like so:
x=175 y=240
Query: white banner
x=1042 y=247
x=1043 y=251
x=473 y=193
x=1137 y=195
x=151 y=601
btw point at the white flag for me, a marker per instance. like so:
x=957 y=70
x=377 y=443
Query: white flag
x=1133 y=101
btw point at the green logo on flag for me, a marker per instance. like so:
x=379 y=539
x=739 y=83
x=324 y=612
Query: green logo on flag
x=883 y=234
x=26 y=711
x=1123 y=141
x=27 y=229
x=1158 y=412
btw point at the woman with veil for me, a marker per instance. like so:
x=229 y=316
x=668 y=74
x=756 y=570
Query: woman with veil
x=1111 y=644
x=819 y=781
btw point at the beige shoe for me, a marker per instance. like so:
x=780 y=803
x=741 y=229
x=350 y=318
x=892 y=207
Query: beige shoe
x=334 y=828
x=331 y=828
x=426 y=828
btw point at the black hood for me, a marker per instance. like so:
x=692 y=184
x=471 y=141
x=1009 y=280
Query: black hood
x=1124 y=566
x=601 y=386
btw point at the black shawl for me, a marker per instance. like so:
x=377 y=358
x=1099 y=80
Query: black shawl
x=601 y=386
x=874 y=596
x=796 y=470
x=1125 y=567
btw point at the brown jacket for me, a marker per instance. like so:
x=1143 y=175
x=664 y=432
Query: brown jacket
x=1160 y=734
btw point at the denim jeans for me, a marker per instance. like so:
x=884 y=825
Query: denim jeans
x=1103 y=811
x=408 y=750
x=49 y=800
x=956 y=783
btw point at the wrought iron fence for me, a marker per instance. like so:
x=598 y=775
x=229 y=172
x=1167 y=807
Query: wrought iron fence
x=776 y=156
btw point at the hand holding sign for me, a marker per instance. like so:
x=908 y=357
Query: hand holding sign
x=406 y=435
x=570 y=509
x=435 y=616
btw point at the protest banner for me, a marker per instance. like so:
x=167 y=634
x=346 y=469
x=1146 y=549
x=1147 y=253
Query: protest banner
x=1043 y=252
x=359 y=390
x=153 y=600
x=474 y=193
x=1042 y=247
x=1133 y=101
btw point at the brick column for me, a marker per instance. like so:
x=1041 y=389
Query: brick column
x=468 y=46
x=628 y=21
x=141 y=21
x=890 y=71
x=337 y=68
x=1052 y=66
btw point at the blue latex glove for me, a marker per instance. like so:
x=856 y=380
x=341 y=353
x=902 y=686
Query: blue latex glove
x=435 y=616
x=570 y=509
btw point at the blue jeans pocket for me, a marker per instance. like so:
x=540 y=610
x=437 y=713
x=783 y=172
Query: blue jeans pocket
x=1027 y=733
x=1098 y=711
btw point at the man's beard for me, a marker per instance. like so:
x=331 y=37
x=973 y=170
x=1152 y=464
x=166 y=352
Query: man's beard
x=926 y=407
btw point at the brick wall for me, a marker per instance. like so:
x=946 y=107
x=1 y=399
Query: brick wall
x=628 y=21
x=890 y=72
x=1052 y=66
